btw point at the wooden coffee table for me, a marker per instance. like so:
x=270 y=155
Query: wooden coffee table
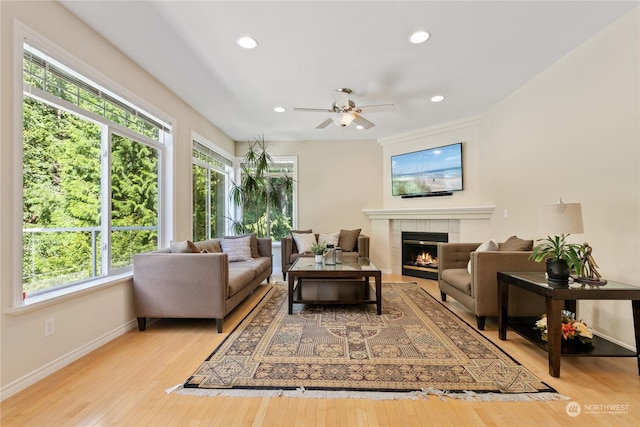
x=346 y=283
x=561 y=298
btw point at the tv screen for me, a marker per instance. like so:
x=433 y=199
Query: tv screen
x=427 y=172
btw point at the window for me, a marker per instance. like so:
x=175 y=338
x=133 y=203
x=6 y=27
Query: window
x=91 y=177
x=211 y=178
x=270 y=209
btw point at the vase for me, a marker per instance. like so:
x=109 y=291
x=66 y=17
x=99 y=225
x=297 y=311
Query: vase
x=558 y=272
x=318 y=258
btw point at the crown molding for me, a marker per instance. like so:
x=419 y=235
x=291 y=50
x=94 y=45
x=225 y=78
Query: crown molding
x=441 y=128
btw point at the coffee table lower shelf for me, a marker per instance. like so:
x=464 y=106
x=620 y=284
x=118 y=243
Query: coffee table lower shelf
x=334 y=292
x=600 y=347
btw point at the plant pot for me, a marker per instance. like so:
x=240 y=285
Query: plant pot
x=558 y=272
x=318 y=258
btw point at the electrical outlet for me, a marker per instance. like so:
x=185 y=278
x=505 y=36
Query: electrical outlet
x=49 y=327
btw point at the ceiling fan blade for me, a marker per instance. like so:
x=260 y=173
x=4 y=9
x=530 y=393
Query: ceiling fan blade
x=382 y=108
x=359 y=120
x=313 y=110
x=325 y=123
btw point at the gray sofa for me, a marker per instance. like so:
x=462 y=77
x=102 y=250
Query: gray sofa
x=196 y=285
x=289 y=251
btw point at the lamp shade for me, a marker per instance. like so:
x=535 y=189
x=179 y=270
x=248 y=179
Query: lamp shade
x=562 y=218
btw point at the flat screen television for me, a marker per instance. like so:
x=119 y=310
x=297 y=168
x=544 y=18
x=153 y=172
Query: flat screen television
x=431 y=172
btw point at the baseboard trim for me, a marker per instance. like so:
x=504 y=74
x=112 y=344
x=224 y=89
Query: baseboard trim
x=55 y=365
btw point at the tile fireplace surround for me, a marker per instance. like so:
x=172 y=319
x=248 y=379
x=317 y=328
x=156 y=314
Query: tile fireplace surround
x=463 y=224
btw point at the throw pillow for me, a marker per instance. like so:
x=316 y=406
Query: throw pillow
x=253 y=243
x=304 y=241
x=211 y=246
x=183 y=247
x=513 y=243
x=294 y=246
x=348 y=239
x=489 y=245
x=237 y=248
x=329 y=239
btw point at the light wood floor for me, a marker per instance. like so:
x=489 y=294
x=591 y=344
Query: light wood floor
x=123 y=384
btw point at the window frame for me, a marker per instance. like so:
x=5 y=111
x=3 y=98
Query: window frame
x=293 y=174
x=164 y=147
x=228 y=174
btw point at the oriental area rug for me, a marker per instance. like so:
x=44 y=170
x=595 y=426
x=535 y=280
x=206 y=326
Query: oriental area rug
x=416 y=348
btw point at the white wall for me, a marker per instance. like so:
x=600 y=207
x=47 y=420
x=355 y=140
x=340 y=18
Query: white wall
x=336 y=180
x=573 y=132
x=88 y=320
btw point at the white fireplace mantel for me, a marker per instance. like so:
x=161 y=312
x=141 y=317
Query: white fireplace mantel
x=461 y=212
x=462 y=223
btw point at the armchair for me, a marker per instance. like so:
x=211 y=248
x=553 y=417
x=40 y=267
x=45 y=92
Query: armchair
x=477 y=290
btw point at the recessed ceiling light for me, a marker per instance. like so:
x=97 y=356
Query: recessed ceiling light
x=437 y=98
x=359 y=127
x=419 y=37
x=247 y=42
x=279 y=109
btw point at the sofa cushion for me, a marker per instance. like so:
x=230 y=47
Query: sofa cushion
x=238 y=249
x=348 y=239
x=304 y=241
x=513 y=243
x=489 y=245
x=253 y=243
x=459 y=278
x=240 y=274
x=329 y=238
x=183 y=247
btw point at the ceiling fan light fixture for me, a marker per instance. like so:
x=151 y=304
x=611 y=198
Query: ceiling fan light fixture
x=343 y=119
x=247 y=42
x=420 y=36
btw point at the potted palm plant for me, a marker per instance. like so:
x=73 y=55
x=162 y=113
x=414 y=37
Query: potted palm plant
x=258 y=193
x=561 y=258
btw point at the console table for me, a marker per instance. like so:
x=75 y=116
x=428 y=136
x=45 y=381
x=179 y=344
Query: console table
x=559 y=298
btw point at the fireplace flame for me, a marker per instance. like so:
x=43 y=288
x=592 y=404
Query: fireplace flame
x=425 y=258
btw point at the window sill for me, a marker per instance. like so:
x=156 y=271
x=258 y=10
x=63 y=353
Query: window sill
x=56 y=297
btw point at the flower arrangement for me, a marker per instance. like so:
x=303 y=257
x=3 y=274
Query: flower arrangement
x=571 y=328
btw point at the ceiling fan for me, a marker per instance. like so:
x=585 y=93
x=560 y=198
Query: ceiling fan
x=344 y=111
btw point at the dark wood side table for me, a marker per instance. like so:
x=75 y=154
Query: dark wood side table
x=564 y=298
x=346 y=283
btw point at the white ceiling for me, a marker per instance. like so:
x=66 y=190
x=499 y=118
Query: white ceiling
x=479 y=52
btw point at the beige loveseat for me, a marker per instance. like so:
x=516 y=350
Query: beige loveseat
x=289 y=250
x=196 y=285
x=478 y=290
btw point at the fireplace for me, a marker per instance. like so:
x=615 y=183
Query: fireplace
x=420 y=253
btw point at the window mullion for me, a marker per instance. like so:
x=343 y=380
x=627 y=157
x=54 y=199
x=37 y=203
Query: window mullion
x=105 y=198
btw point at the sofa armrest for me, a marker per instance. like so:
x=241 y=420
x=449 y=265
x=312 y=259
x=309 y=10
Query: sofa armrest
x=286 y=249
x=484 y=269
x=180 y=285
x=454 y=255
x=265 y=247
x=363 y=245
